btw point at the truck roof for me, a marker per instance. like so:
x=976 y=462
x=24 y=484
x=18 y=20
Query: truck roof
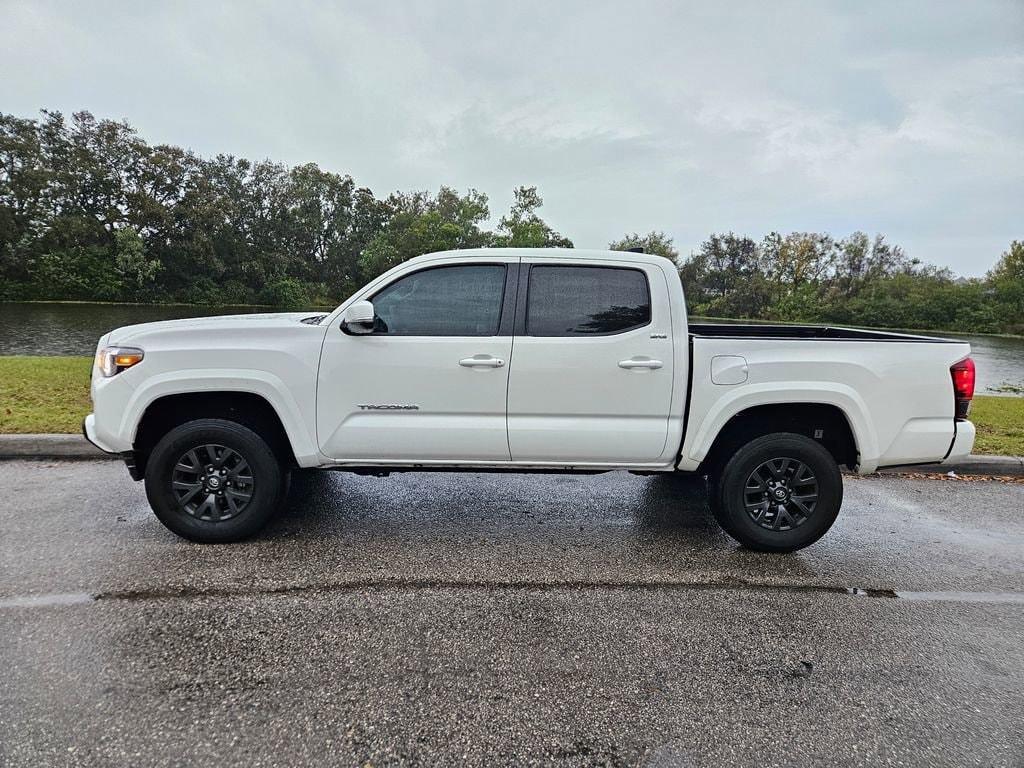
x=574 y=253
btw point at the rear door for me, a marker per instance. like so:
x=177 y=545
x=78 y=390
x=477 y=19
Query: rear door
x=592 y=363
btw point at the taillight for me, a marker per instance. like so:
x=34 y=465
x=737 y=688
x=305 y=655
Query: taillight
x=963 y=386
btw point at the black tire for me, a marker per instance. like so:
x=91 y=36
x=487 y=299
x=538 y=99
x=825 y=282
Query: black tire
x=237 y=485
x=798 y=499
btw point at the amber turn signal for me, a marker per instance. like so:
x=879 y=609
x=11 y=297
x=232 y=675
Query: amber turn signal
x=113 y=360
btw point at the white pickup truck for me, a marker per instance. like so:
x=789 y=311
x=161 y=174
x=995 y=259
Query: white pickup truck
x=527 y=360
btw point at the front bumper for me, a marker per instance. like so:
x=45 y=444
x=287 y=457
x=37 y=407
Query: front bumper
x=963 y=442
x=89 y=433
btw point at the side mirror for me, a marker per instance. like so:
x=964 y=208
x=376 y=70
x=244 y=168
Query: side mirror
x=358 y=318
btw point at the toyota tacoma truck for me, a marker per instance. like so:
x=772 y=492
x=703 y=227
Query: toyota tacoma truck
x=525 y=360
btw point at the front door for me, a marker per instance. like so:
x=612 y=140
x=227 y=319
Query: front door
x=592 y=364
x=429 y=383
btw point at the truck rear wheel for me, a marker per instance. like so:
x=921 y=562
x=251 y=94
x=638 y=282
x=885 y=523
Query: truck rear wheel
x=214 y=481
x=778 y=493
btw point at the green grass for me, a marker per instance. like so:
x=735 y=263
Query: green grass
x=43 y=394
x=51 y=394
x=1000 y=423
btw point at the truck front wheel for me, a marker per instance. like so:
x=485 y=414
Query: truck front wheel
x=778 y=493
x=212 y=481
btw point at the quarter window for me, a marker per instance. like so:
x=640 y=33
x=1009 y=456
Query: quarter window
x=460 y=300
x=586 y=301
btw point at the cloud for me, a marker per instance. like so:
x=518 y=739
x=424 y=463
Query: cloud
x=690 y=118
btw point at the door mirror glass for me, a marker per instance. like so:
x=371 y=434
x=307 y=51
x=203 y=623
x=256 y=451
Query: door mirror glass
x=358 y=318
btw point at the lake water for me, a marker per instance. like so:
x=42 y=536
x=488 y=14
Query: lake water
x=51 y=329
x=74 y=329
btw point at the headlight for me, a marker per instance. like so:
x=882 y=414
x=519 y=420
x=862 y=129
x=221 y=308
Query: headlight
x=113 y=360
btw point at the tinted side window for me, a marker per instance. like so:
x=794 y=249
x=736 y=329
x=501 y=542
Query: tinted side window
x=443 y=301
x=582 y=301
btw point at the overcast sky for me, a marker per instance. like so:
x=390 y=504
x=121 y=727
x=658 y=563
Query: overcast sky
x=905 y=118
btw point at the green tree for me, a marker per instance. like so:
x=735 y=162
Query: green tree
x=1007 y=288
x=90 y=210
x=285 y=293
x=1010 y=267
x=523 y=228
x=24 y=181
x=419 y=223
x=134 y=270
x=861 y=261
x=657 y=243
x=726 y=278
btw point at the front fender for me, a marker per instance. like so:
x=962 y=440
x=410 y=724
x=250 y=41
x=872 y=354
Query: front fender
x=258 y=382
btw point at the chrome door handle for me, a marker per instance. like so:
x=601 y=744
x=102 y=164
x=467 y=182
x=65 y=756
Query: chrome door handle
x=481 y=361
x=651 y=364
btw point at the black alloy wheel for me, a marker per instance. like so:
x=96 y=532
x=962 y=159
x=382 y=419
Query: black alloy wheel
x=212 y=482
x=780 y=494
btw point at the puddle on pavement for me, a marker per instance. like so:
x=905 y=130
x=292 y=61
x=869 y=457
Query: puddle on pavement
x=964 y=597
x=45 y=601
x=81 y=598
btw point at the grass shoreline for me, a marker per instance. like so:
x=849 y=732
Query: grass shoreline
x=51 y=394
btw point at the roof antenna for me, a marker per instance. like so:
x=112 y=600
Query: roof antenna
x=637 y=249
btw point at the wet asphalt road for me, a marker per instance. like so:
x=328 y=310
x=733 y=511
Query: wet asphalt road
x=502 y=619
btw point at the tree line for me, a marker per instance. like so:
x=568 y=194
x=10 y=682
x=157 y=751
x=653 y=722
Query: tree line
x=857 y=280
x=90 y=211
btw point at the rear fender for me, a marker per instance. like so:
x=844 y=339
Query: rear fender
x=701 y=436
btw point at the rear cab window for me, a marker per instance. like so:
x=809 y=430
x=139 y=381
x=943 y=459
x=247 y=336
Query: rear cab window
x=576 y=300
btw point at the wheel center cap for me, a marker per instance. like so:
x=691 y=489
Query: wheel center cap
x=780 y=493
x=213 y=482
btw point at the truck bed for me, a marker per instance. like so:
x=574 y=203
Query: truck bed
x=895 y=390
x=779 y=331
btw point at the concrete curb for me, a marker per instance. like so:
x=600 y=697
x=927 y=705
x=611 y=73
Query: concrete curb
x=1012 y=466
x=50 y=447
x=77 y=447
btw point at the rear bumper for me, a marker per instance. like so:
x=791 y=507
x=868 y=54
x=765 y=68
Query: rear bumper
x=963 y=442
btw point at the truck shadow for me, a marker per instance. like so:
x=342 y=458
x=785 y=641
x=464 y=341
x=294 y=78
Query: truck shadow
x=321 y=501
x=508 y=526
